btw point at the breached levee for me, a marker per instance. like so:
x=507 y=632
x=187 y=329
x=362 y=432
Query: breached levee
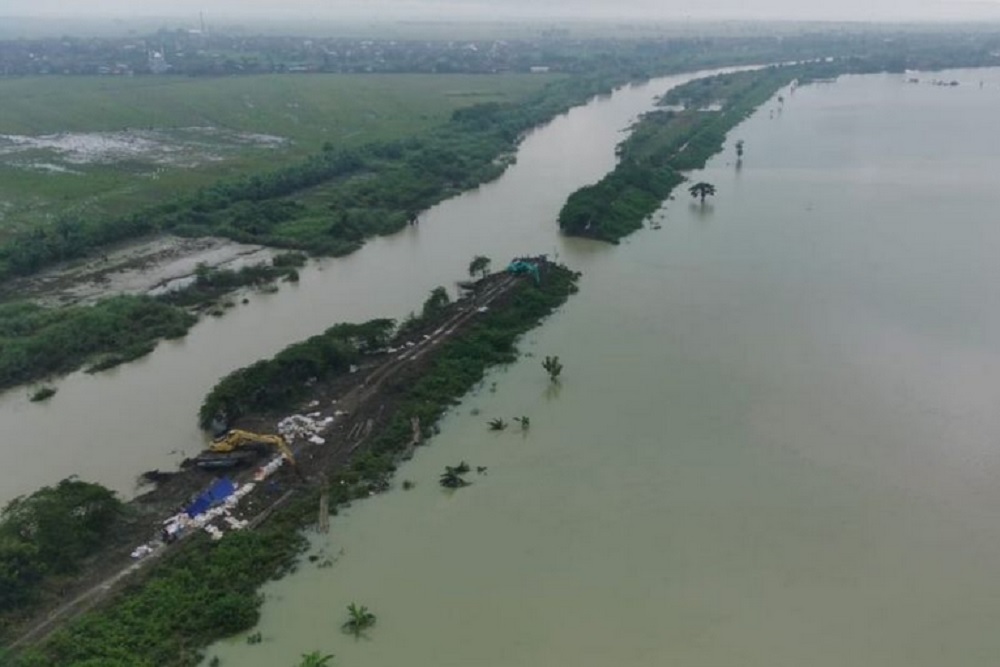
x=375 y=397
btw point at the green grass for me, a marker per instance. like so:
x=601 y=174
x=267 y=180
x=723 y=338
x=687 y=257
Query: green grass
x=345 y=110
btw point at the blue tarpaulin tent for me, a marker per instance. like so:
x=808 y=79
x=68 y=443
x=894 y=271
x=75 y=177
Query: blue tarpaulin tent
x=218 y=492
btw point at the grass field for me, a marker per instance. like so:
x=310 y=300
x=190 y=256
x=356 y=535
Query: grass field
x=304 y=110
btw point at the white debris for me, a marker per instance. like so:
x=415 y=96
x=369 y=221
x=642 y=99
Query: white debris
x=317 y=440
x=234 y=523
x=142 y=551
x=266 y=471
x=303 y=426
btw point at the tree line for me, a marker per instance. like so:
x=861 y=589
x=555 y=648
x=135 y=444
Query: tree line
x=668 y=141
x=378 y=187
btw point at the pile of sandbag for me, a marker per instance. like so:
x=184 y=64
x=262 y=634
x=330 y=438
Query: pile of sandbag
x=305 y=427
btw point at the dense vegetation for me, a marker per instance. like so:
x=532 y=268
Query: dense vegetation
x=36 y=341
x=664 y=143
x=278 y=382
x=209 y=590
x=212 y=130
x=48 y=534
x=373 y=189
x=210 y=284
x=329 y=202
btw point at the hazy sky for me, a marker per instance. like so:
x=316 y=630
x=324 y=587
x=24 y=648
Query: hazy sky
x=859 y=10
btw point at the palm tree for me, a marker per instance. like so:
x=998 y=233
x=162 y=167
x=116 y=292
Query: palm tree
x=359 y=620
x=525 y=422
x=739 y=149
x=314 y=659
x=497 y=424
x=452 y=480
x=702 y=189
x=480 y=264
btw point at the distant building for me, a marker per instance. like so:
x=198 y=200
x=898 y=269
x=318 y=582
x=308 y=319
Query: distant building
x=539 y=69
x=158 y=63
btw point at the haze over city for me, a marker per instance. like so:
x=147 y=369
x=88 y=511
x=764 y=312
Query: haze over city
x=846 y=10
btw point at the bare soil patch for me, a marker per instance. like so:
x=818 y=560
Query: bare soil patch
x=148 y=266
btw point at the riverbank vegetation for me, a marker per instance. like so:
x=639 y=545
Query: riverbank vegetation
x=182 y=133
x=211 y=284
x=43 y=394
x=336 y=194
x=331 y=190
x=278 y=382
x=668 y=141
x=206 y=591
x=664 y=143
x=47 y=535
x=36 y=341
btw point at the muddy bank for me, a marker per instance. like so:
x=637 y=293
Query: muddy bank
x=151 y=266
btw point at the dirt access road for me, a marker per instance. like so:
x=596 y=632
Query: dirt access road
x=361 y=404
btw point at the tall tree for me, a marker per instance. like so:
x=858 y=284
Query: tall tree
x=702 y=189
x=480 y=264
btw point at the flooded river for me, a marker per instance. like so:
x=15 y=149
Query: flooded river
x=112 y=426
x=775 y=443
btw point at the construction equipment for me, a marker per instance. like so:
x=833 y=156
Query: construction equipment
x=238 y=447
x=525 y=265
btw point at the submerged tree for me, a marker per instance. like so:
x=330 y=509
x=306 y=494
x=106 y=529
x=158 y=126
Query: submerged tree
x=739 y=149
x=497 y=424
x=314 y=659
x=452 y=478
x=553 y=367
x=702 y=190
x=359 y=620
x=525 y=422
x=480 y=264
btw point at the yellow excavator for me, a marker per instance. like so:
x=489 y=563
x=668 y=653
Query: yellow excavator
x=238 y=447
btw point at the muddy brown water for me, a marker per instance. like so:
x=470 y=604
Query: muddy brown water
x=113 y=426
x=775 y=443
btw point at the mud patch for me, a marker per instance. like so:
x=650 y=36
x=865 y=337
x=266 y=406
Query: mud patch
x=178 y=147
x=149 y=267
